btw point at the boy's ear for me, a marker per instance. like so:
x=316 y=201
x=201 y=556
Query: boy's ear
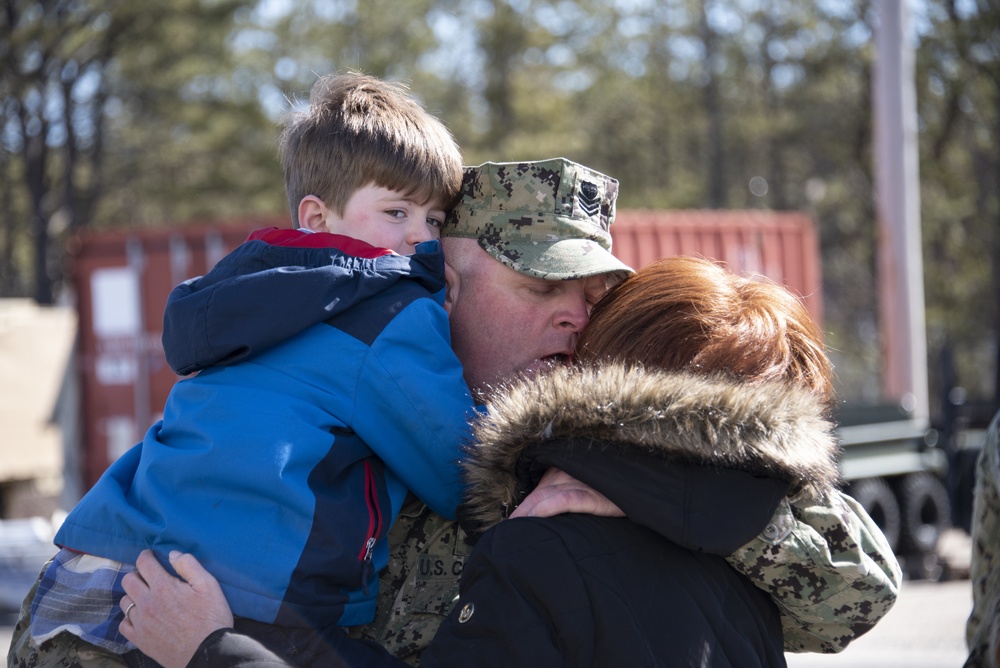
x=451 y=282
x=312 y=214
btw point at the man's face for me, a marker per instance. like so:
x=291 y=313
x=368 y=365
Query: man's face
x=504 y=323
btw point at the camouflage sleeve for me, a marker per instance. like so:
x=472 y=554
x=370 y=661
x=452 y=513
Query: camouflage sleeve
x=828 y=568
x=981 y=629
x=420 y=585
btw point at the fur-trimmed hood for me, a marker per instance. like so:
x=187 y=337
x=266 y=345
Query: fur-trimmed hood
x=772 y=429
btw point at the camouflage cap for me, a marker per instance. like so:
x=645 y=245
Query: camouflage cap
x=549 y=218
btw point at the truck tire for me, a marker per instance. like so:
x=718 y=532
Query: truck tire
x=925 y=512
x=876 y=497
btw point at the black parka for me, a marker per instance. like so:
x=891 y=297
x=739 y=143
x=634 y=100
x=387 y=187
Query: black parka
x=653 y=589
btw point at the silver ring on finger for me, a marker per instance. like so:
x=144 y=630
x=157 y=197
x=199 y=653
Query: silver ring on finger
x=128 y=610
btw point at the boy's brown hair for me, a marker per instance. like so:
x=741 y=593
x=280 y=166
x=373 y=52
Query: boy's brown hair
x=690 y=314
x=360 y=130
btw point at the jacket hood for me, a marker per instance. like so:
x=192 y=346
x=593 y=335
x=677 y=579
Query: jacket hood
x=772 y=430
x=275 y=285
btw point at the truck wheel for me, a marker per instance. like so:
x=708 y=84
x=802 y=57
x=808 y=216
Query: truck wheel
x=876 y=497
x=925 y=512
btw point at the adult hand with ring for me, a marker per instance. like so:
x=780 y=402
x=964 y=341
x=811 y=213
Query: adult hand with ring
x=128 y=609
x=176 y=613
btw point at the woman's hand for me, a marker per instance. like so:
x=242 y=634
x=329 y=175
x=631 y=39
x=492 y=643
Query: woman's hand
x=559 y=492
x=166 y=617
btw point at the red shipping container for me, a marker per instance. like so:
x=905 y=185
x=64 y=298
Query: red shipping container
x=121 y=280
x=784 y=246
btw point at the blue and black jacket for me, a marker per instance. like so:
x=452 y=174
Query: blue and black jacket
x=326 y=390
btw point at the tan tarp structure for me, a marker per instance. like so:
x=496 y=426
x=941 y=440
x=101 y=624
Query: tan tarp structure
x=35 y=347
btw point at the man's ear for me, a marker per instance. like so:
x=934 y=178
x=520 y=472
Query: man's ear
x=312 y=214
x=451 y=281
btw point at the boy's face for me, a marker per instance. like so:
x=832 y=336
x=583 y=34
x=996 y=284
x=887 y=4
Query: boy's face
x=378 y=216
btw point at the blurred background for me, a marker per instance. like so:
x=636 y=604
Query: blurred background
x=850 y=149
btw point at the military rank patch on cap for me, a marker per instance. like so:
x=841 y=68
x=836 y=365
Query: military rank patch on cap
x=589 y=198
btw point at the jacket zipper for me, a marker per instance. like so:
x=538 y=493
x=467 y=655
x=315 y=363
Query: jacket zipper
x=374 y=527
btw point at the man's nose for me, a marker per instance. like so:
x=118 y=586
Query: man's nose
x=574 y=316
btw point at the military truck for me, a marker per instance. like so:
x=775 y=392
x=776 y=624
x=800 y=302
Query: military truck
x=897 y=470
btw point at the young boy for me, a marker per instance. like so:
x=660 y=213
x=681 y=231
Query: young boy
x=283 y=468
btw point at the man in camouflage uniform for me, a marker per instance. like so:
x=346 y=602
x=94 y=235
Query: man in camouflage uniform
x=824 y=561
x=982 y=633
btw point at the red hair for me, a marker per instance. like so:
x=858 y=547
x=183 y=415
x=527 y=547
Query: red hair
x=686 y=313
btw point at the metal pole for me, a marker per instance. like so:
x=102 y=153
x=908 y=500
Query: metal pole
x=142 y=412
x=897 y=201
